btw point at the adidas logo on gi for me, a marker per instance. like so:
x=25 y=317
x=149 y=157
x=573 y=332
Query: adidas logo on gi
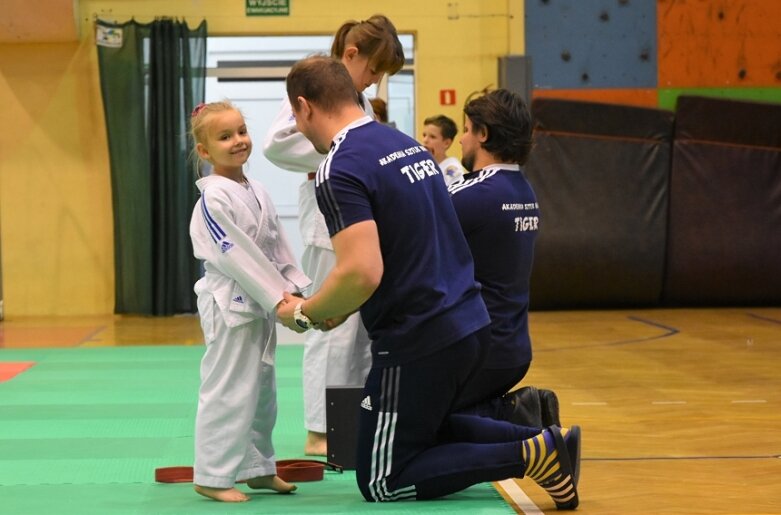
x=225 y=246
x=367 y=403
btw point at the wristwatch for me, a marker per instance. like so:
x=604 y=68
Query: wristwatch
x=301 y=320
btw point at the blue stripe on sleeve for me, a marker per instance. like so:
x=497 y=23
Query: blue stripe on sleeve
x=217 y=233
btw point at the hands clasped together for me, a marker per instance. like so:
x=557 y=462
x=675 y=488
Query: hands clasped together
x=286 y=315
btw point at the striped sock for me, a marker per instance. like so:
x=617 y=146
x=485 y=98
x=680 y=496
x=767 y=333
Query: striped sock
x=544 y=467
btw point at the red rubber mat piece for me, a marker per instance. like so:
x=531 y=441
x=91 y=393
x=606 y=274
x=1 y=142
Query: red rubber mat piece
x=9 y=370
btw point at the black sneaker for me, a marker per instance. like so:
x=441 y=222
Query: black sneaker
x=549 y=406
x=522 y=407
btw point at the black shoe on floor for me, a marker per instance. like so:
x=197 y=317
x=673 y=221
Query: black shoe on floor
x=549 y=406
x=522 y=407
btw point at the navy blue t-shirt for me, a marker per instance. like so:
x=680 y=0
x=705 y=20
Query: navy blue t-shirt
x=500 y=217
x=428 y=298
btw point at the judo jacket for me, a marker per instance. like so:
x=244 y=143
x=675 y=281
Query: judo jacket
x=247 y=258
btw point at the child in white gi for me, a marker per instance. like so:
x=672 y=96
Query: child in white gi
x=248 y=265
x=438 y=134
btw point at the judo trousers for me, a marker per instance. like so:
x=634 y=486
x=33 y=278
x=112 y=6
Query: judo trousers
x=237 y=401
x=413 y=445
x=339 y=357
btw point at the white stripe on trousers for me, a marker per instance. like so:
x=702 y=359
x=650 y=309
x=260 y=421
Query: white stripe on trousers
x=382 y=447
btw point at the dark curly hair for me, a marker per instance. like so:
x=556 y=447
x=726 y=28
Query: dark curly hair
x=507 y=122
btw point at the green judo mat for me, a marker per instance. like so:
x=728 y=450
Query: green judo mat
x=82 y=431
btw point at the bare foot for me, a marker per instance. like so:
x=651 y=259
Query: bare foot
x=221 y=494
x=271 y=483
x=316 y=444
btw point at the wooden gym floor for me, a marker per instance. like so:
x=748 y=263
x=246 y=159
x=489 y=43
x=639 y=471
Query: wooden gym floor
x=680 y=408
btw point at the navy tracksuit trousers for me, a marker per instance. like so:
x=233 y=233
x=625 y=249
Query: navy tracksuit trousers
x=411 y=442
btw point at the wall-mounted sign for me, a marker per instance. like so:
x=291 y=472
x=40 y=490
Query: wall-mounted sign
x=447 y=97
x=108 y=36
x=268 y=8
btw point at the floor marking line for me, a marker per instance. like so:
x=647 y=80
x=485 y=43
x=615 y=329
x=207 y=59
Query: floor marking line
x=91 y=336
x=667 y=402
x=766 y=319
x=749 y=401
x=668 y=331
x=519 y=497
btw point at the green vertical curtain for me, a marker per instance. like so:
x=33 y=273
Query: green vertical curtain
x=151 y=77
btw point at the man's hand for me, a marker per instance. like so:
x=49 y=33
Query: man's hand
x=285 y=310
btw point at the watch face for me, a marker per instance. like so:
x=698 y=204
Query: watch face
x=302 y=324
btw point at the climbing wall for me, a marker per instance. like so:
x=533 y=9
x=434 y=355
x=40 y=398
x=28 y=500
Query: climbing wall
x=600 y=44
x=719 y=48
x=639 y=52
x=735 y=43
x=602 y=51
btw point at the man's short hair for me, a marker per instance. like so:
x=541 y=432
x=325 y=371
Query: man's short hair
x=322 y=81
x=507 y=122
x=445 y=124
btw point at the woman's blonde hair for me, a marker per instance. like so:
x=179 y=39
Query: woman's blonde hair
x=374 y=38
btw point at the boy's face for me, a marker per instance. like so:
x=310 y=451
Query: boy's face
x=435 y=142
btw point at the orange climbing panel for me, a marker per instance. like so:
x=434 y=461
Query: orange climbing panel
x=642 y=97
x=718 y=43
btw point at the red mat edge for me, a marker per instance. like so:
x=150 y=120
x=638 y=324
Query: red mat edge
x=11 y=369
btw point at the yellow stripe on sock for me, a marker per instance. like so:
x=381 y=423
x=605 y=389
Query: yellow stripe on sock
x=534 y=458
x=531 y=455
x=539 y=461
x=553 y=469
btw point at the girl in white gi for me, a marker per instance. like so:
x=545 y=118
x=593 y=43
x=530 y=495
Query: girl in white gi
x=368 y=49
x=248 y=265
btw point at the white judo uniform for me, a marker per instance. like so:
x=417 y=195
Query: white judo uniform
x=341 y=356
x=248 y=265
x=452 y=170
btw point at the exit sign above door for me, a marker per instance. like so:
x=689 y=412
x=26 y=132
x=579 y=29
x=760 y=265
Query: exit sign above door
x=268 y=8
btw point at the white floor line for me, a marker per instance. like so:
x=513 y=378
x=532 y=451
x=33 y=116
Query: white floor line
x=520 y=498
x=668 y=402
x=750 y=401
